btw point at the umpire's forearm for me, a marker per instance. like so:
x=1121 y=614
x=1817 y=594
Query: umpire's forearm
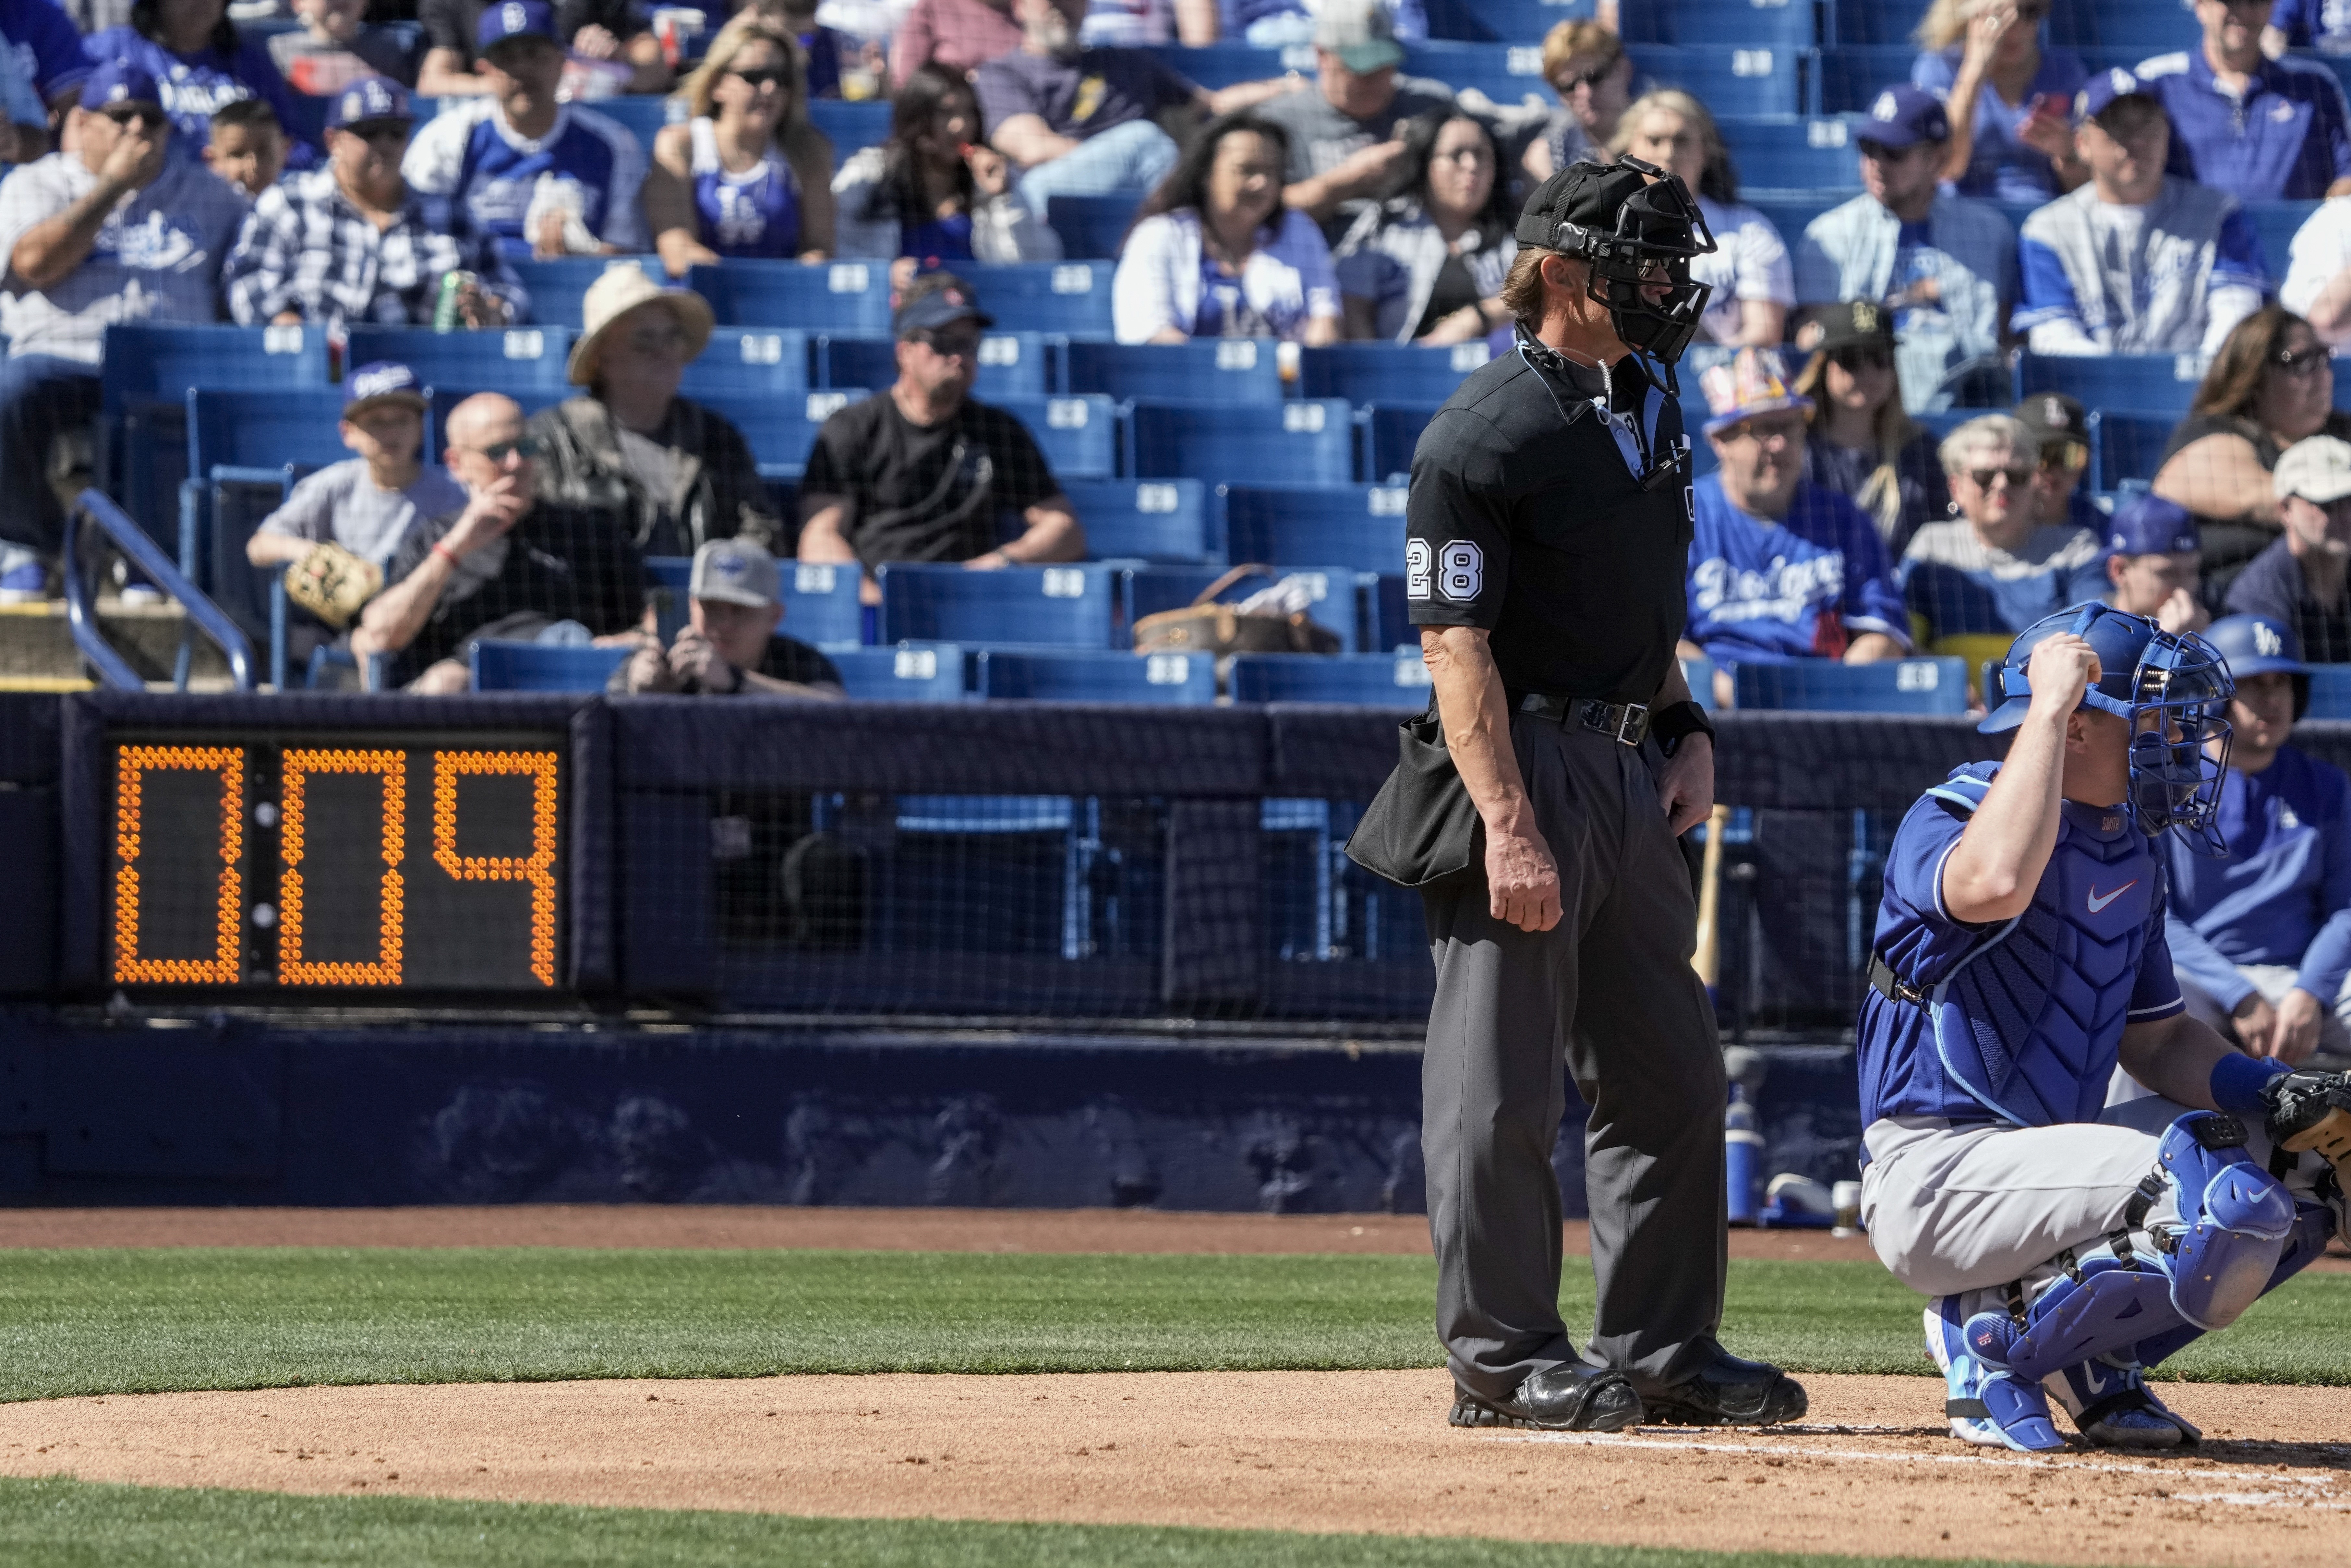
x=1471 y=704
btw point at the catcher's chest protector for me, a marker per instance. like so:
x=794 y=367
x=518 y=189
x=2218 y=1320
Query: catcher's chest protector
x=2029 y=1022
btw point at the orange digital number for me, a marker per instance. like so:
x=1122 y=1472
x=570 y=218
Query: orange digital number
x=295 y=768
x=133 y=764
x=537 y=869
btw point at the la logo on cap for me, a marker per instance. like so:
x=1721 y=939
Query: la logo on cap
x=2266 y=641
x=1885 y=108
x=727 y=563
x=512 y=17
x=1864 y=316
x=375 y=384
x=2053 y=415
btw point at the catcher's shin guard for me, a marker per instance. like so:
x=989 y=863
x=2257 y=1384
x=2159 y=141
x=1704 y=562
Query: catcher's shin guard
x=2112 y=1405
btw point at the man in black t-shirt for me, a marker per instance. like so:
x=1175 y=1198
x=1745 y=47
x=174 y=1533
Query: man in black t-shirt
x=612 y=30
x=1547 y=533
x=920 y=472
x=730 y=645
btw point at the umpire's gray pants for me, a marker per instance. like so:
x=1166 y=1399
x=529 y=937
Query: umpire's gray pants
x=1609 y=993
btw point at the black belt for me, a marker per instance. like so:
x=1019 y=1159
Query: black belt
x=1891 y=986
x=1628 y=723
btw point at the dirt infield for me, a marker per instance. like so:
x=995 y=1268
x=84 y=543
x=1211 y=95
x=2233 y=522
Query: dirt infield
x=1869 y=1472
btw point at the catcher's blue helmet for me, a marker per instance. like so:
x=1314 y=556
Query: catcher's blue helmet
x=2179 y=679
x=2257 y=645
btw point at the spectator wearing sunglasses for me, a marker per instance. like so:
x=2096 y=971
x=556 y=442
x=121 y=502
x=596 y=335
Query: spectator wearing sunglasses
x=351 y=244
x=122 y=229
x=510 y=564
x=2155 y=564
x=2270 y=386
x=2059 y=426
x=1976 y=580
x=2008 y=98
x=1586 y=65
x=747 y=175
x=2301 y=579
x=2264 y=129
x=1944 y=267
x=2137 y=261
x=1861 y=443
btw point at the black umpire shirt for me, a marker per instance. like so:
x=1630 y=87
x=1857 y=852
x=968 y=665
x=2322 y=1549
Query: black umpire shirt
x=1526 y=518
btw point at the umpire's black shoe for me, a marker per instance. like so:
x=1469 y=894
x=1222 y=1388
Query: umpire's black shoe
x=1730 y=1392
x=1571 y=1397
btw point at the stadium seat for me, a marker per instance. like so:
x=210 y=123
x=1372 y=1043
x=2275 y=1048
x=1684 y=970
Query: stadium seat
x=261 y=430
x=820 y=605
x=1021 y=606
x=557 y=287
x=1790 y=212
x=1887 y=22
x=1359 y=526
x=1362 y=680
x=1011 y=364
x=781 y=430
x=2133 y=383
x=1070 y=297
x=1091 y=227
x=1308 y=442
x=832 y=296
x=749 y=361
x=1501 y=21
x=1823 y=686
x=2156 y=26
x=1779 y=23
x=2277 y=222
x=1387 y=372
x=503 y=666
x=643 y=113
x=1505 y=72
x=1392 y=431
x=1148 y=591
x=865 y=123
x=1729 y=80
x=243 y=450
x=909 y=673
x=143 y=391
x=1158 y=678
x=1231 y=62
x=1793 y=155
x=496 y=361
x=1228 y=371
x=2330 y=691
x=1847 y=78
x=1165 y=521
x=2126 y=446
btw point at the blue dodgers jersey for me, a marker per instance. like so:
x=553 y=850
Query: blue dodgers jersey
x=2286 y=138
x=2284 y=894
x=2026 y=1018
x=1766 y=592
x=489 y=174
x=195 y=86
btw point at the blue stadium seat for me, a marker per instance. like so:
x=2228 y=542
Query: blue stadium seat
x=1387 y=372
x=2330 y=691
x=851 y=125
x=1231 y=371
x=1393 y=430
x=502 y=666
x=1091 y=227
x=1792 y=154
x=1729 y=80
x=1148 y=590
x=1070 y=297
x=143 y=392
x=261 y=430
x=820 y=605
x=1847 y=78
x=1501 y=21
x=1359 y=680
x=2126 y=446
x=749 y=361
x=1231 y=62
x=557 y=287
x=1051 y=606
x=1011 y=364
x=1784 y=24
x=1164 y=521
x=781 y=430
x=497 y=360
x=2277 y=222
x=2137 y=384
x=1079 y=434
x=832 y=297
x=1160 y=678
x=1899 y=686
x=1359 y=526
x=1792 y=214
x=642 y=113
x=1504 y=73
x=1309 y=442
x=1887 y=22
x=2156 y=26
x=909 y=673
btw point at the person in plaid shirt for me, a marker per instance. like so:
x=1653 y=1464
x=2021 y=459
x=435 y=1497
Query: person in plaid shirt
x=347 y=242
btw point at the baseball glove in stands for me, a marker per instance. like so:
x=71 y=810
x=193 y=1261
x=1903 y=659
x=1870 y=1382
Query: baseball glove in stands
x=332 y=584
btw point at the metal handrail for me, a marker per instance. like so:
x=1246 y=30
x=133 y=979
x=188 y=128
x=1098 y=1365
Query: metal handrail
x=81 y=616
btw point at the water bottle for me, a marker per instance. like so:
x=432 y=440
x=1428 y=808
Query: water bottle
x=1742 y=1156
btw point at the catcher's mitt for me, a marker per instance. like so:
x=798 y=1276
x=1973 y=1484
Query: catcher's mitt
x=2312 y=1110
x=331 y=583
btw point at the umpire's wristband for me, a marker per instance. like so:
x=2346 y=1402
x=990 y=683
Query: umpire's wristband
x=2237 y=1080
x=1670 y=725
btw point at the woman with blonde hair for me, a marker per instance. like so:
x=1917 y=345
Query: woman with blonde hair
x=747 y=175
x=1754 y=284
x=1862 y=443
x=1586 y=65
x=2011 y=100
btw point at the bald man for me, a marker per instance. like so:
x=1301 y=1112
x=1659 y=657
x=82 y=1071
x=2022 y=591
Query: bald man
x=509 y=566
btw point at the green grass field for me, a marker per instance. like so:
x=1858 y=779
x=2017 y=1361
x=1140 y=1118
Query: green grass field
x=72 y=1524
x=129 y=1321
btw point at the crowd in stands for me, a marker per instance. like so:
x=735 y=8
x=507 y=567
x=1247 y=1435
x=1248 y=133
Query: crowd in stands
x=367 y=163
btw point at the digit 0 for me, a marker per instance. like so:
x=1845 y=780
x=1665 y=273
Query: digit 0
x=538 y=868
x=133 y=764
x=297 y=766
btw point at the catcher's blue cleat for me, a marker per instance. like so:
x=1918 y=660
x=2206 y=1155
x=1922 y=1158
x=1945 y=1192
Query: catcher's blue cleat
x=2112 y=1407
x=2015 y=1409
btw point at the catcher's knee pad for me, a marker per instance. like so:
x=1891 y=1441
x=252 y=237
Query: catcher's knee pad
x=2236 y=1219
x=2312 y=1225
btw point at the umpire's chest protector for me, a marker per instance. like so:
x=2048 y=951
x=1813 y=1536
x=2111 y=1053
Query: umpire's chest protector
x=2029 y=1021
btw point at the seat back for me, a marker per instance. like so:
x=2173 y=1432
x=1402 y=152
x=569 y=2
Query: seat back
x=909 y=673
x=557 y=287
x=1739 y=79
x=1079 y=436
x=503 y=666
x=1359 y=526
x=2138 y=383
x=1501 y=21
x=2150 y=25
x=836 y=297
x=1308 y=442
x=1071 y=298
x=781 y=430
x=260 y=430
x=1390 y=433
x=2330 y=691
x=1051 y=606
x=155 y=364
x=1229 y=371
x=749 y=361
x=865 y=123
x=1091 y=227
x=1169 y=678
x=2126 y=446
x=1011 y=364
x=1361 y=680
x=1710 y=22
x=1387 y=372
x=1897 y=685
x=1806 y=154
x=820 y=604
x=1165 y=521
x=513 y=357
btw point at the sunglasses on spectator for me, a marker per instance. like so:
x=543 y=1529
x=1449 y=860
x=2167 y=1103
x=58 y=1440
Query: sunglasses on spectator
x=2064 y=457
x=1566 y=82
x=141 y=114
x=963 y=344
x=2016 y=478
x=379 y=129
x=1854 y=359
x=2299 y=362
x=1879 y=152
x=773 y=76
x=525 y=447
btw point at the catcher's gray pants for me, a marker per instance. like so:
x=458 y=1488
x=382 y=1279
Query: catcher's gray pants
x=1608 y=992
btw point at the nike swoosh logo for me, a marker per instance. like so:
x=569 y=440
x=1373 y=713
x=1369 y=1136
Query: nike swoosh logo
x=2095 y=1384
x=2097 y=904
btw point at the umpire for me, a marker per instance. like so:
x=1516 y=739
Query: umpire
x=1549 y=532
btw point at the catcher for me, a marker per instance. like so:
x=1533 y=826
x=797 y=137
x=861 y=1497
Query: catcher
x=2020 y=952
x=340 y=527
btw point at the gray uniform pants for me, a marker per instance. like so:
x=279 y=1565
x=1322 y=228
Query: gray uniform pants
x=1609 y=993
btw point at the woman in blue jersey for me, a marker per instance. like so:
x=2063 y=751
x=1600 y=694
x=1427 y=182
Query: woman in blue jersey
x=934 y=191
x=2011 y=100
x=747 y=175
x=192 y=51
